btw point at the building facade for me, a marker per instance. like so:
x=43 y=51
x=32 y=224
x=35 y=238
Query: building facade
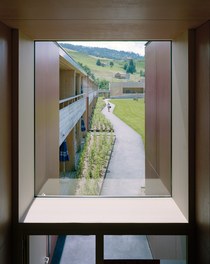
x=64 y=97
x=127 y=89
x=188 y=28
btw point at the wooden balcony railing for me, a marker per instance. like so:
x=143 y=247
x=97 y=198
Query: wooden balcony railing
x=92 y=95
x=71 y=110
x=67 y=101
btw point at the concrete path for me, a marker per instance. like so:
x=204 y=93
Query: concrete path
x=126 y=171
x=126 y=176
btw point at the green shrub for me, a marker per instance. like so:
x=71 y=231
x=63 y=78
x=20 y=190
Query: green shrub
x=93 y=161
x=96 y=153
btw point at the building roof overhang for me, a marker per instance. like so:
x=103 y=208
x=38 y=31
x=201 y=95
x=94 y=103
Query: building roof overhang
x=104 y=20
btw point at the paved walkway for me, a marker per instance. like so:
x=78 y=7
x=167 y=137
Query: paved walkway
x=126 y=176
x=126 y=171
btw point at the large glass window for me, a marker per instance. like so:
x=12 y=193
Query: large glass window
x=87 y=249
x=103 y=119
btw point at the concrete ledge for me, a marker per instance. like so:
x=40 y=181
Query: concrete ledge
x=104 y=210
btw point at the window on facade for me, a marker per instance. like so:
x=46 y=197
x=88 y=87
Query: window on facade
x=75 y=249
x=102 y=121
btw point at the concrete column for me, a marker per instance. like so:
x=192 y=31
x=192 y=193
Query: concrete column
x=70 y=165
x=68 y=89
x=78 y=83
x=78 y=135
x=87 y=113
x=72 y=90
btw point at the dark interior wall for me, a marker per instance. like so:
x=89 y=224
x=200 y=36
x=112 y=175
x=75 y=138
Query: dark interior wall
x=5 y=144
x=158 y=111
x=46 y=112
x=202 y=163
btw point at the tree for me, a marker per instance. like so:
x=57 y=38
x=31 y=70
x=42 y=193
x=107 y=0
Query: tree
x=125 y=66
x=88 y=71
x=98 y=62
x=103 y=84
x=131 y=68
x=142 y=73
x=111 y=63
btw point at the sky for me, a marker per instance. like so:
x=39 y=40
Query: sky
x=132 y=46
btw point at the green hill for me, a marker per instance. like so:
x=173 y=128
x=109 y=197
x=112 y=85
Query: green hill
x=107 y=72
x=102 y=52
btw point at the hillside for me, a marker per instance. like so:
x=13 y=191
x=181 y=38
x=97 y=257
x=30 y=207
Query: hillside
x=107 y=72
x=103 y=52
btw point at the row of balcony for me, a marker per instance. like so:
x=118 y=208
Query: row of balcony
x=71 y=110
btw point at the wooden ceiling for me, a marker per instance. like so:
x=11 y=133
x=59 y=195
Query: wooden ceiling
x=104 y=19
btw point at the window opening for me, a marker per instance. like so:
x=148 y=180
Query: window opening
x=96 y=119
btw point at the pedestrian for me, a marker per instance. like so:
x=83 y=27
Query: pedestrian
x=108 y=107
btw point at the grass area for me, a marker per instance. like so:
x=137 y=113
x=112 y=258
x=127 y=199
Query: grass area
x=93 y=162
x=96 y=153
x=132 y=113
x=106 y=72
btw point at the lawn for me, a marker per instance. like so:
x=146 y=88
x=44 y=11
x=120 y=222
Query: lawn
x=132 y=113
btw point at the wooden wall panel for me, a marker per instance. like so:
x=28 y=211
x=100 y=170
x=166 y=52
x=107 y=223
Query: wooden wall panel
x=202 y=157
x=151 y=111
x=5 y=144
x=163 y=86
x=46 y=112
x=158 y=111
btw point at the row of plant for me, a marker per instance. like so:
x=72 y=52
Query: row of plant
x=99 y=121
x=93 y=162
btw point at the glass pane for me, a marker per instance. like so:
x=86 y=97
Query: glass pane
x=107 y=136
x=126 y=247
x=167 y=249
x=79 y=249
x=62 y=249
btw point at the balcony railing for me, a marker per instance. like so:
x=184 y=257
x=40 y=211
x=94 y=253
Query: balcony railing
x=92 y=95
x=71 y=110
x=67 y=101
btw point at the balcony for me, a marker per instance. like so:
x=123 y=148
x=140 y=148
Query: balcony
x=71 y=110
x=92 y=95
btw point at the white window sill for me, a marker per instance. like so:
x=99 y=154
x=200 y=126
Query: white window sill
x=104 y=210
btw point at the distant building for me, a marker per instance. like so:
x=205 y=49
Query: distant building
x=103 y=64
x=119 y=75
x=127 y=89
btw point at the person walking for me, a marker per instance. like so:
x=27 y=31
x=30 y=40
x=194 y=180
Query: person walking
x=108 y=107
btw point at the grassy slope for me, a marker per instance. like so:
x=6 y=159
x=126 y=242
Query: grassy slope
x=132 y=113
x=106 y=72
